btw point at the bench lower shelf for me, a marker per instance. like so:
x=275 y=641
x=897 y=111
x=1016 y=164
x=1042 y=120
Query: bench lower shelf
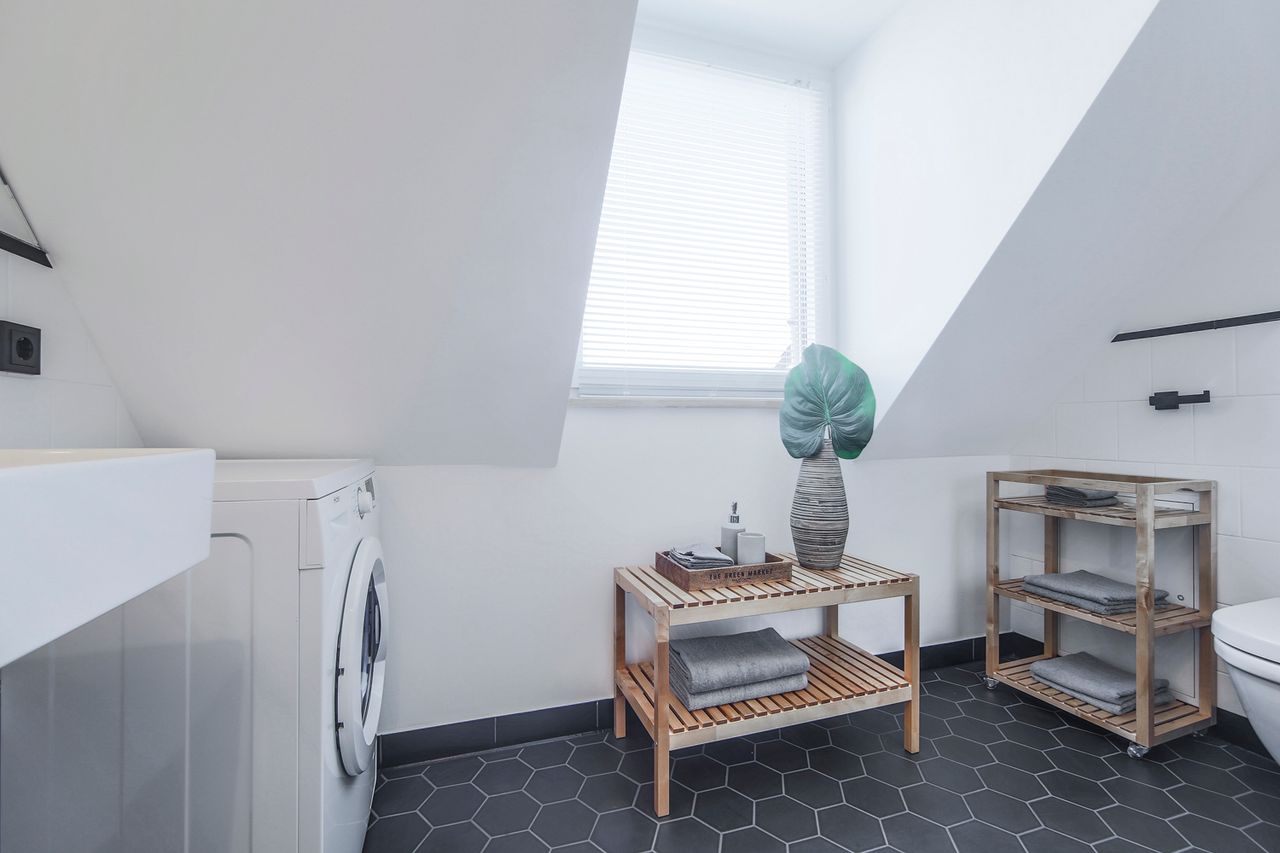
x=1172 y=720
x=842 y=679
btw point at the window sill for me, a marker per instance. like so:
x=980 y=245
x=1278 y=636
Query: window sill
x=635 y=401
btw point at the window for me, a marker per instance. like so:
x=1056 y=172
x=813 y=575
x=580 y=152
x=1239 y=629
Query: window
x=711 y=249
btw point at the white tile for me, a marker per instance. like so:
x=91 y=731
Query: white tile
x=1039 y=439
x=1258 y=359
x=1086 y=430
x=1228 y=480
x=1146 y=435
x=1239 y=431
x=1122 y=373
x=83 y=415
x=1194 y=362
x=25 y=412
x=38 y=298
x=1248 y=569
x=1260 y=503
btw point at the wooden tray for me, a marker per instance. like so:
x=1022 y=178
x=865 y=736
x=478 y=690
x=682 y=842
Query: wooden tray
x=774 y=568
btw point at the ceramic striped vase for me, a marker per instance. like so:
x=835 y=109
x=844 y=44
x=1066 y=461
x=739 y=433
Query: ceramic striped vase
x=819 y=512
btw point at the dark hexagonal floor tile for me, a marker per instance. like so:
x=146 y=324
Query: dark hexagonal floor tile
x=679 y=799
x=1074 y=761
x=1028 y=735
x=399 y=834
x=546 y=754
x=783 y=817
x=1070 y=819
x=1213 y=806
x=835 y=762
x=815 y=845
x=451 y=805
x=936 y=706
x=1020 y=757
x=1011 y=781
x=1003 y=696
x=993 y=714
x=1264 y=807
x=608 y=792
x=733 y=751
x=698 y=772
x=873 y=796
x=951 y=775
x=637 y=766
x=806 y=735
x=1086 y=742
x=1142 y=829
x=1001 y=811
x=875 y=721
x=963 y=751
x=1266 y=835
x=893 y=744
x=506 y=813
x=686 y=836
x=1199 y=749
x=937 y=804
x=1142 y=797
x=850 y=828
x=1036 y=715
x=963 y=677
x=1076 y=789
x=812 y=788
x=520 y=842
x=724 y=809
x=930 y=727
x=401 y=795
x=891 y=769
x=857 y=741
x=632 y=742
x=781 y=756
x=945 y=690
x=1203 y=776
x=914 y=833
x=1213 y=837
x=1048 y=841
x=755 y=780
x=975 y=730
x=1147 y=772
x=751 y=840
x=978 y=837
x=595 y=758
x=1258 y=779
x=453 y=771
x=626 y=831
x=551 y=784
x=503 y=776
x=564 y=823
x=458 y=838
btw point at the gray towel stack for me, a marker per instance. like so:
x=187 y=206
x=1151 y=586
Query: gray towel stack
x=1068 y=496
x=700 y=555
x=707 y=671
x=1088 y=591
x=1100 y=684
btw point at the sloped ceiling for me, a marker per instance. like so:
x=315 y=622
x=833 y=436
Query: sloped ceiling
x=300 y=228
x=1187 y=123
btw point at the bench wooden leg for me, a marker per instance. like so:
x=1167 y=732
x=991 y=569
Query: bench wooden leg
x=911 y=666
x=619 y=660
x=661 y=732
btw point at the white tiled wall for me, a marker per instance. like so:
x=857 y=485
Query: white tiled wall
x=73 y=403
x=1103 y=422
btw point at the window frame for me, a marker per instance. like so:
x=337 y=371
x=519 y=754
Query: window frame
x=748 y=390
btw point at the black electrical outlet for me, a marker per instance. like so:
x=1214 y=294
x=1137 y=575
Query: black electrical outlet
x=19 y=348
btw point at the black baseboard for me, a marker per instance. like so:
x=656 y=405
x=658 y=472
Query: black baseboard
x=454 y=739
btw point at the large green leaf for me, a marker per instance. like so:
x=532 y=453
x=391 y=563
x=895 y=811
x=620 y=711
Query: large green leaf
x=827 y=390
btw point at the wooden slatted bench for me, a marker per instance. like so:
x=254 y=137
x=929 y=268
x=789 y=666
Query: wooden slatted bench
x=842 y=677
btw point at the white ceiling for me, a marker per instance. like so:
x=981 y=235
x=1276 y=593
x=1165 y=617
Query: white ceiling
x=822 y=32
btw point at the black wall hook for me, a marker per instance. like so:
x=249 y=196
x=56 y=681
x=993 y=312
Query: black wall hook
x=1165 y=400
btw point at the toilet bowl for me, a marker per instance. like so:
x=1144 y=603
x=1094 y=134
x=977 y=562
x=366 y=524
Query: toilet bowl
x=1247 y=639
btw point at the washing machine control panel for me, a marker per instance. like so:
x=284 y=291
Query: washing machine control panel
x=365 y=498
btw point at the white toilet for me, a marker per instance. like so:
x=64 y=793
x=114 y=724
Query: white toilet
x=1247 y=638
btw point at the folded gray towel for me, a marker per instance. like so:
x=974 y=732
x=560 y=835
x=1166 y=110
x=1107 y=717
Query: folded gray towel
x=700 y=555
x=1162 y=697
x=739 y=693
x=1081 y=674
x=1087 y=585
x=714 y=663
x=1086 y=604
x=1068 y=496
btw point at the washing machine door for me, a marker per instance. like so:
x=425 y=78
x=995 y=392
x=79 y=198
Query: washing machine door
x=362 y=658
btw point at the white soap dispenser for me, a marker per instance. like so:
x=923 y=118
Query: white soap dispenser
x=729 y=533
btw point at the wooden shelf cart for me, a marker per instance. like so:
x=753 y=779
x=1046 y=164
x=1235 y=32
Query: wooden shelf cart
x=842 y=677
x=1148 y=724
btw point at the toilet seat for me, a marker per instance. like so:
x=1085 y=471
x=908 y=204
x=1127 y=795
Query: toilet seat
x=1265 y=669
x=1252 y=629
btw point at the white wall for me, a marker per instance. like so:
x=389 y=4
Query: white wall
x=501 y=578
x=947 y=119
x=73 y=403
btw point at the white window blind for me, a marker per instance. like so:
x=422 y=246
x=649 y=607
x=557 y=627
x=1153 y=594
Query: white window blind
x=711 y=247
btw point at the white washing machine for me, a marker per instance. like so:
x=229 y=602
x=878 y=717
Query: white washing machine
x=300 y=538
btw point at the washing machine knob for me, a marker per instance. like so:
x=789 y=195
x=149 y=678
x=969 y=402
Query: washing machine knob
x=364 y=502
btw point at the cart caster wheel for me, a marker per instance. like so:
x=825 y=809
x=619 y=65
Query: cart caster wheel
x=1138 y=752
x=989 y=683
x=1200 y=733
